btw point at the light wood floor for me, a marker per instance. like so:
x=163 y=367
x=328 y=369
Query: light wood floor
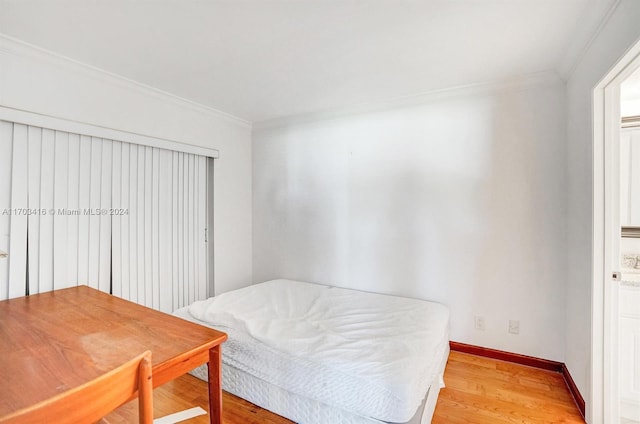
x=479 y=391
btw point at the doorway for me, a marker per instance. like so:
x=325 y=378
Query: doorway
x=629 y=289
x=616 y=276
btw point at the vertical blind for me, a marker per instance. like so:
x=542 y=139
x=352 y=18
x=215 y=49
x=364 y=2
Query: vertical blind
x=126 y=219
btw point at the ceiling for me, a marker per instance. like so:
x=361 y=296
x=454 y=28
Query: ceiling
x=267 y=59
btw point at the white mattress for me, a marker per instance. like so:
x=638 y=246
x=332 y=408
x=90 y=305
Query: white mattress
x=309 y=411
x=370 y=355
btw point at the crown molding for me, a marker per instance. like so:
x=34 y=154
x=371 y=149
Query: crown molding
x=15 y=47
x=539 y=79
x=573 y=59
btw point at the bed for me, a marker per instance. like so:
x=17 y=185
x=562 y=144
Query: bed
x=321 y=355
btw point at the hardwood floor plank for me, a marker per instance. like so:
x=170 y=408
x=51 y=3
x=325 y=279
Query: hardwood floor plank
x=478 y=391
x=482 y=390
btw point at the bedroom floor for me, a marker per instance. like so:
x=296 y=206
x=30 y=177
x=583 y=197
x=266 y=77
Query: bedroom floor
x=479 y=391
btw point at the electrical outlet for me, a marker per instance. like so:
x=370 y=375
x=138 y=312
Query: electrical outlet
x=479 y=321
x=514 y=326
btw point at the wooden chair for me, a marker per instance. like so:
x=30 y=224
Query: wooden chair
x=93 y=400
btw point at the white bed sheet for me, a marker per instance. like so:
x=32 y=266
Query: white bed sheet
x=367 y=354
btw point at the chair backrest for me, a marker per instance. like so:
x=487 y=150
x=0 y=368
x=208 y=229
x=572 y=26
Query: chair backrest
x=93 y=400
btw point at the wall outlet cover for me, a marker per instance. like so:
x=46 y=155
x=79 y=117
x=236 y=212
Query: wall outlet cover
x=479 y=322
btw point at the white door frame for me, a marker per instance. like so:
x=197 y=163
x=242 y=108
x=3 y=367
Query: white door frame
x=604 y=405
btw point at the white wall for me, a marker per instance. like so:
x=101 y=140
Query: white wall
x=458 y=200
x=39 y=82
x=630 y=107
x=630 y=95
x=619 y=33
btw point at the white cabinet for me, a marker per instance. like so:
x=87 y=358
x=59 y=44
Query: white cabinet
x=629 y=333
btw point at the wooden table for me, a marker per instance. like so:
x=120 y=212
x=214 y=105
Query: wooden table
x=54 y=341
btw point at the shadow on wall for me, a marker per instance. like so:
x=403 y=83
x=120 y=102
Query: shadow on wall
x=520 y=263
x=459 y=201
x=385 y=203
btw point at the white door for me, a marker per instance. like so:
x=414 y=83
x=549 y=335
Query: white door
x=629 y=338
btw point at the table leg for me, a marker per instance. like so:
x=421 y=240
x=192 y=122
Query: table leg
x=215 y=384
